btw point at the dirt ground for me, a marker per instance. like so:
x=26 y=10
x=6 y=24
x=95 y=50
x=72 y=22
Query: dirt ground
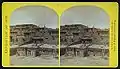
x=84 y=61
x=41 y=61
x=65 y=61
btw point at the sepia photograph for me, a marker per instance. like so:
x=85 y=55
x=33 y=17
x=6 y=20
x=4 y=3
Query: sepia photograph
x=84 y=37
x=34 y=36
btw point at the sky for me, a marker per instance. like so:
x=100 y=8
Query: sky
x=86 y=15
x=37 y=15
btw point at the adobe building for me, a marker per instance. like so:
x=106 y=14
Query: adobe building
x=81 y=40
x=71 y=33
x=32 y=40
x=22 y=34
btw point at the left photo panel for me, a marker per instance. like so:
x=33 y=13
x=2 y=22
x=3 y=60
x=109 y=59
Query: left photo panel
x=34 y=36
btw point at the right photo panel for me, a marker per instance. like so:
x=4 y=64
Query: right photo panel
x=84 y=37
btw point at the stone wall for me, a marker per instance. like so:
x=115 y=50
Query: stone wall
x=22 y=34
x=33 y=52
x=13 y=51
x=73 y=33
x=81 y=52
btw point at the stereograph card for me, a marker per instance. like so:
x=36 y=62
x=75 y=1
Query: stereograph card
x=70 y=34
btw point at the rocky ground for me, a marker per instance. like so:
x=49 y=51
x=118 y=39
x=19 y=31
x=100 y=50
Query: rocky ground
x=65 y=61
x=84 y=61
x=41 y=61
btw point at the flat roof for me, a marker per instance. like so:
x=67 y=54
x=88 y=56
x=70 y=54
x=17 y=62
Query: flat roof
x=14 y=46
x=63 y=46
x=99 y=46
x=41 y=46
x=92 y=46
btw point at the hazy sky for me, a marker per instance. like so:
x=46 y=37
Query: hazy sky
x=39 y=15
x=35 y=15
x=87 y=15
